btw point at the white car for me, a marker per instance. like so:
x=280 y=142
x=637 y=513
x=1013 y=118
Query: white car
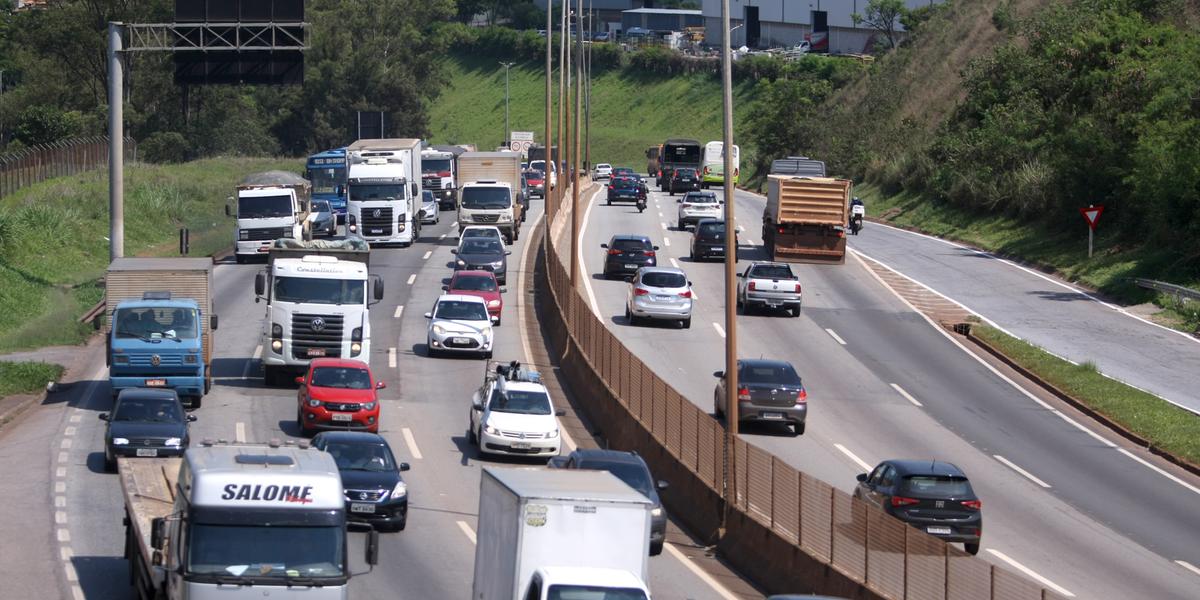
x=459 y=323
x=514 y=416
x=479 y=231
x=603 y=171
x=694 y=206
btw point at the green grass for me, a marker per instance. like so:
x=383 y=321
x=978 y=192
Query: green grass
x=629 y=112
x=1165 y=425
x=26 y=377
x=53 y=238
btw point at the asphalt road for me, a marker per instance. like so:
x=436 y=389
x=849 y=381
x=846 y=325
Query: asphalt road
x=1063 y=503
x=1046 y=311
x=54 y=465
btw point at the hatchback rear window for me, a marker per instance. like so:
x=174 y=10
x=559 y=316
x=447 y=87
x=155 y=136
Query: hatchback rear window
x=701 y=198
x=937 y=485
x=664 y=280
x=778 y=374
x=711 y=229
x=629 y=245
x=772 y=272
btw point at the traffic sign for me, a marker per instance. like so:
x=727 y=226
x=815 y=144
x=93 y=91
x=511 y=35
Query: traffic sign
x=522 y=147
x=521 y=136
x=1092 y=214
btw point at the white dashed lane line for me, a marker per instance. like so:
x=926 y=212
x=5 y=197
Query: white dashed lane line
x=428 y=253
x=858 y=461
x=399 y=311
x=720 y=330
x=900 y=390
x=391 y=358
x=467 y=531
x=412 y=278
x=835 y=336
x=239 y=433
x=411 y=441
x=1023 y=472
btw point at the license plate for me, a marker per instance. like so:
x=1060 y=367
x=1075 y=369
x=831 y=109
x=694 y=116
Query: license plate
x=772 y=415
x=316 y=352
x=774 y=304
x=156 y=382
x=631 y=266
x=151 y=452
x=664 y=298
x=521 y=445
x=461 y=340
x=343 y=417
x=376 y=231
x=938 y=530
x=362 y=507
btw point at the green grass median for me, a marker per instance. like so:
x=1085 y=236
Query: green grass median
x=26 y=377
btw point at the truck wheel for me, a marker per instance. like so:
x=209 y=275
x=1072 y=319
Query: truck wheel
x=196 y=400
x=241 y=260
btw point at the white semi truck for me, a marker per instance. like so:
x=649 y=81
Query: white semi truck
x=384 y=179
x=269 y=206
x=560 y=533
x=237 y=521
x=317 y=304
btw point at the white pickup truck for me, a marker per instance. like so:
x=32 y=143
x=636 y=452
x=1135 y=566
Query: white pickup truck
x=769 y=285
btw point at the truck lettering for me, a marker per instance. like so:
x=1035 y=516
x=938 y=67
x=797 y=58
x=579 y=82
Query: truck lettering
x=269 y=493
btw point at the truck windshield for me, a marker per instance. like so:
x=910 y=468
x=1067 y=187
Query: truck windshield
x=156 y=323
x=319 y=291
x=264 y=207
x=376 y=191
x=435 y=165
x=591 y=592
x=265 y=552
x=486 y=198
x=325 y=181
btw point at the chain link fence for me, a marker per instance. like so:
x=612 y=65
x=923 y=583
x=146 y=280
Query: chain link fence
x=56 y=159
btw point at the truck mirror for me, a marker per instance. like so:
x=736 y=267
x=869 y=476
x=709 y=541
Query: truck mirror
x=477 y=405
x=158 y=532
x=103 y=416
x=719 y=374
x=213 y=322
x=260 y=284
x=416 y=191
x=372 y=547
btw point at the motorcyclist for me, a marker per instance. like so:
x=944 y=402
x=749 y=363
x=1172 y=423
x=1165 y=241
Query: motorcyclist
x=641 y=197
x=858 y=210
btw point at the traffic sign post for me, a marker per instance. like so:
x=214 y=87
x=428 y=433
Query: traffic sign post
x=520 y=141
x=1091 y=214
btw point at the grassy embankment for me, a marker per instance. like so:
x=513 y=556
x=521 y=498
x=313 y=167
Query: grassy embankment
x=26 y=377
x=629 y=112
x=53 y=238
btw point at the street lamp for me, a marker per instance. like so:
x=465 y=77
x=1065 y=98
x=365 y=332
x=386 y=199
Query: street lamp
x=731 y=379
x=506 y=65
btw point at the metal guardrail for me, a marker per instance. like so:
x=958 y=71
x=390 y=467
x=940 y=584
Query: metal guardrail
x=1168 y=288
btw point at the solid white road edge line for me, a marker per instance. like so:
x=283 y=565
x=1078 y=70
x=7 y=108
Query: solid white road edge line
x=412 y=278
x=698 y=572
x=1189 y=566
x=587 y=279
x=239 y=433
x=906 y=395
x=411 y=442
x=399 y=311
x=1026 y=570
x=1160 y=471
x=720 y=330
x=835 y=336
x=860 y=462
x=466 y=529
x=391 y=358
x=1010 y=464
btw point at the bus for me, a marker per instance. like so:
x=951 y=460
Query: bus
x=327 y=172
x=714 y=164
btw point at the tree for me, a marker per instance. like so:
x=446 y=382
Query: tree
x=882 y=16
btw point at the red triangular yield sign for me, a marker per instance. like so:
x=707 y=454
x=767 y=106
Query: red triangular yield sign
x=1092 y=214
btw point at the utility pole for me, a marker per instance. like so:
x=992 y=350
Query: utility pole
x=506 y=66
x=575 y=153
x=562 y=102
x=547 y=205
x=116 y=145
x=731 y=379
x=587 y=114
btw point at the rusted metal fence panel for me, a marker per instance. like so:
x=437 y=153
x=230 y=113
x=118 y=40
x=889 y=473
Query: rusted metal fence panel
x=816 y=516
x=785 y=490
x=1007 y=585
x=708 y=441
x=850 y=536
x=759 y=496
x=689 y=442
x=885 y=554
x=925 y=569
x=967 y=578
x=674 y=420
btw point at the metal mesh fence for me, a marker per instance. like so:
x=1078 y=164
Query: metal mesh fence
x=55 y=159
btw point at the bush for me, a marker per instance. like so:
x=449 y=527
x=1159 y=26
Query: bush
x=606 y=56
x=43 y=123
x=164 y=147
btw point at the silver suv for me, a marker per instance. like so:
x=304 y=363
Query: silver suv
x=659 y=293
x=694 y=206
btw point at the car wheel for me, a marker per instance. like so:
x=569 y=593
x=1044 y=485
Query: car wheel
x=686 y=323
x=798 y=428
x=796 y=312
x=110 y=462
x=304 y=431
x=656 y=549
x=971 y=549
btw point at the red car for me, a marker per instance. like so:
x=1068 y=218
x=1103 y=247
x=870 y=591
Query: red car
x=481 y=284
x=537 y=183
x=338 y=393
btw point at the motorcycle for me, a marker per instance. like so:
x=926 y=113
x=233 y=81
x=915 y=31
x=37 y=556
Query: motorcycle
x=857 y=212
x=641 y=204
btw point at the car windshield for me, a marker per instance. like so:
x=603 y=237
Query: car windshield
x=153 y=410
x=687 y=153
x=535 y=175
x=623 y=170
x=624 y=182
x=664 y=280
x=474 y=283
x=562 y=591
x=772 y=272
x=628 y=244
x=603 y=166
x=780 y=374
x=937 y=485
x=685 y=172
x=486 y=198
x=264 y=207
x=156 y=323
x=633 y=474
x=319 y=291
x=265 y=552
x=481 y=245
x=362 y=456
x=435 y=165
x=711 y=229
x=427 y=196
x=326 y=180
x=321 y=206
x=521 y=402
x=349 y=378
x=700 y=198
x=461 y=311
x=376 y=191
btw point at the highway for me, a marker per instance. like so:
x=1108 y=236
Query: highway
x=1063 y=501
x=424 y=418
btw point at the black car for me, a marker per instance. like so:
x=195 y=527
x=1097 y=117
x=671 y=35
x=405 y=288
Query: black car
x=523 y=199
x=769 y=391
x=625 y=189
x=483 y=254
x=375 y=492
x=684 y=179
x=708 y=240
x=145 y=422
x=931 y=495
x=630 y=468
x=625 y=254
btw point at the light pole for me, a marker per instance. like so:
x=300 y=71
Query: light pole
x=506 y=66
x=731 y=380
x=547 y=205
x=575 y=151
x=587 y=95
x=562 y=103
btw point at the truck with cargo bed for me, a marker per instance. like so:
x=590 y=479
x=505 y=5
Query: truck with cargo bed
x=270 y=205
x=489 y=193
x=384 y=183
x=805 y=219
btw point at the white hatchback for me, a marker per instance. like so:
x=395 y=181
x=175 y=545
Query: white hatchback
x=603 y=171
x=459 y=323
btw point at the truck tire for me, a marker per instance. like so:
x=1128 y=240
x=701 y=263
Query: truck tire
x=239 y=259
x=196 y=401
x=270 y=376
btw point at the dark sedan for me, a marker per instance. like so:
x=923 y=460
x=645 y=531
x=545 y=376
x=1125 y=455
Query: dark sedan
x=768 y=390
x=145 y=422
x=482 y=254
x=931 y=495
x=375 y=492
x=684 y=180
x=624 y=189
x=708 y=240
x=630 y=468
x=625 y=254
x=624 y=172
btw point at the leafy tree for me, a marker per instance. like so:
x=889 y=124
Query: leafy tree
x=42 y=124
x=882 y=16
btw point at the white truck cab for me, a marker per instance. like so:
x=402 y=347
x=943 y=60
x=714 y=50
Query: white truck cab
x=488 y=202
x=384 y=190
x=269 y=206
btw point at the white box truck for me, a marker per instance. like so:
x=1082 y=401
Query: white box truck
x=489 y=194
x=560 y=533
x=384 y=185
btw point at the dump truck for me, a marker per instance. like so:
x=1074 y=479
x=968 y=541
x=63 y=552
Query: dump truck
x=254 y=519
x=149 y=302
x=269 y=206
x=805 y=218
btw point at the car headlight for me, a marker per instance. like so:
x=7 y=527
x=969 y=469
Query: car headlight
x=491 y=430
x=400 y=491
x=314 y=403
x=439 y=330
x=460 y=262
x=498 y=264
x=505 y=218
x=486 y=331
x=189 y=358
x=493 y=303
x=120 y=441
x=656 y=512
x=368 y=406
x=552 y=434
x=172 y=442
x=243 y=234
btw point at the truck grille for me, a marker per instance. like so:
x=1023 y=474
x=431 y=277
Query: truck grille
x=164 y=360
x=484 y=218
x=268 y=233
x=377 y=225
x=328 y=338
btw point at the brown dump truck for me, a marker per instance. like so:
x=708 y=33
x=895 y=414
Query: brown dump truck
x=805 y=218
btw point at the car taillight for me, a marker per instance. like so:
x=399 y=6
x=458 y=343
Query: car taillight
x=902 y=501
x=649 y=253
x=751 y=286
x=797 y=287
x=610 y=186
x=781 y=229
x=802 y=397
x=706 y=170
x=660 y=173
x=973 y=504
x=613 y=251
x=686 y=293
x=743 y=394
x=640 y=291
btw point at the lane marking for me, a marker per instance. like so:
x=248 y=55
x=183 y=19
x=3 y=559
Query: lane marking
x=1026 y=570
x=250 y=363
x=587 y=279
x=860 y=462
x=442 y=237
x=699 y=573
x=467 y=531
x=63 y=534
x=62 y=457
x=66 y=443
x=75 y=418
x=391 y=358
x=60 y=472
x=835 y=336
x=428 y=253
x=1010 y=464
x=60 y=501
x=1159 y=471
x=412 y=278
x=720 y=330
x=60 y=516
x=69 y=431
x=901 y=391
x=1189 y=566
x=72 y=575
x=399 y=311
x=1080 y=427
x=665 y=228
x=239 y=434
x=412 y=443
x=674 y=263
x=257 y=352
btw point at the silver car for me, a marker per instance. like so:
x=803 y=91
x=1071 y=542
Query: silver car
x=694 y=206
x=659 y=293
x=430 y=211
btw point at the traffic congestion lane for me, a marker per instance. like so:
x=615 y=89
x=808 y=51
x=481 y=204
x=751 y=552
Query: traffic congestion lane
x=883 y=412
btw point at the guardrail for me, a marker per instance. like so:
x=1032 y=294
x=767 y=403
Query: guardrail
x=55 y=159
x=1178 y=291
x=789 y=530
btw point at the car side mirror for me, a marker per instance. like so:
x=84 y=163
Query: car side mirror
x=158 y=534
x=740 y=275
x=192 y=418
x=719 y=374
x=379 y=385
x=477 y=405
x=300 y=380
x=507 y=252
x=603 y=245
x=372 y=547
x=260 y=284
x=445 y=288
x=103 y=416
x=453 y=251
x=861 y=477
x=662 y=485
x=558 y=412
x=404 y=466
x=654 y=247
x=212 y=322
x=428 y=315
x=679 y=201
x=689 y=284
x=503 y=290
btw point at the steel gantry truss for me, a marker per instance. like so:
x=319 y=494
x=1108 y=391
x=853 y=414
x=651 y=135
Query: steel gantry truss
x=215 y=36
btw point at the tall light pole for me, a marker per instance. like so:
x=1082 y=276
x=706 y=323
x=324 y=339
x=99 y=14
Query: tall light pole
x=575 y=152
x=506 y=66
x=547 y=205
x=587 y=97
x=116 y=145
x=731 y=379
x=562 y=100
